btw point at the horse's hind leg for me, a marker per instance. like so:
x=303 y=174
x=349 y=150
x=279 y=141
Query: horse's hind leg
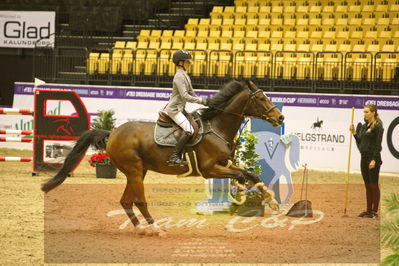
x=134 y=193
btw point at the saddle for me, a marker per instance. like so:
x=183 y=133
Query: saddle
x=167 y=132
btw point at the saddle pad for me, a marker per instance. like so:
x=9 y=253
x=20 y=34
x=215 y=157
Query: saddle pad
x=164 y=136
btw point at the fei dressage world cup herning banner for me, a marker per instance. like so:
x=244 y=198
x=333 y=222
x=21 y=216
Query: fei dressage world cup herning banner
x=321 y=121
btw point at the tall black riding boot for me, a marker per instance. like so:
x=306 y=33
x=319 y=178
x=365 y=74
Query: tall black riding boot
x=175 y=157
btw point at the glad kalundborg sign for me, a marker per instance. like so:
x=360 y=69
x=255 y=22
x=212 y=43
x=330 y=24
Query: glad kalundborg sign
x=23 y=29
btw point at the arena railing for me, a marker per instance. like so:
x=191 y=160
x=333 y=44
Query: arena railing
x=353 y=72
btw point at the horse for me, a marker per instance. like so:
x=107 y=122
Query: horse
x=133 y=151
x=317 y=124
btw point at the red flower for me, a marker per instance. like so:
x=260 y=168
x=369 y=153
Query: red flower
x=99 y=158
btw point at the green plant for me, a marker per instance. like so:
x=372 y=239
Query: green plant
x=105 y=120
x=245 y=152
x=390 y=229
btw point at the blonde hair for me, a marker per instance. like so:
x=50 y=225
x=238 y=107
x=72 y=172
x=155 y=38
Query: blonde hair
x=373 y=108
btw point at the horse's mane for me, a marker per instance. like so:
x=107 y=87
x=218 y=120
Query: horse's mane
x=218 y=102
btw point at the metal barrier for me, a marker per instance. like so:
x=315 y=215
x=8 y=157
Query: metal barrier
x=300 y=70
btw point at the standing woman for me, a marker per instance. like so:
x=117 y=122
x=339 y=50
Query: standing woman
x=368 y=140
x=182 y=92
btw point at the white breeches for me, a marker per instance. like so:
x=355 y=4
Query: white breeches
x=181 y=120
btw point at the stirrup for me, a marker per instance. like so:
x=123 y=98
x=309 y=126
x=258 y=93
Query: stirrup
x=176 y=161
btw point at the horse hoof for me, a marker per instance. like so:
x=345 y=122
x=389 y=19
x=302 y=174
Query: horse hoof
x=161 y=233
x=140 y=231
x=149 y=232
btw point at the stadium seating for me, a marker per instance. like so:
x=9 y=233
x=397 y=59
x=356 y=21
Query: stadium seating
x=247 y=39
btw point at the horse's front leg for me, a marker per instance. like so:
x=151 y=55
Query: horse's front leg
x=220 y=171
x=249 y=176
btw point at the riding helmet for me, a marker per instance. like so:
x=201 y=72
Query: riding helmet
x=181 y=55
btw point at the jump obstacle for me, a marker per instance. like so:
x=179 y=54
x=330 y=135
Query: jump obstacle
x=49 y=130
x=15 y=111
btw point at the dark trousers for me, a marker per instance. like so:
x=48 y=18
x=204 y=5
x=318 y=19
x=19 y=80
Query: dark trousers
x=370 y=178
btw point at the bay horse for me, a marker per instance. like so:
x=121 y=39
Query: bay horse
x=132 y=149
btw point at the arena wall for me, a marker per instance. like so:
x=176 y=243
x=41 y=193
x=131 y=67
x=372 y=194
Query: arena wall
x=323 y=145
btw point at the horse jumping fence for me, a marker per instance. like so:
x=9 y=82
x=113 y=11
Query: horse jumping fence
x=15 y=111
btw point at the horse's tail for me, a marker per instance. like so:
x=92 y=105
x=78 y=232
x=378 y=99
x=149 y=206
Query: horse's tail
x=96 y=137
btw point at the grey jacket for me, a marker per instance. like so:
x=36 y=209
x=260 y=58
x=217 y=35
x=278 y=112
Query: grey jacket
x=182 y=92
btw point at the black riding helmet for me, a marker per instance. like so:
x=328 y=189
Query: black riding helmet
x=181 y=55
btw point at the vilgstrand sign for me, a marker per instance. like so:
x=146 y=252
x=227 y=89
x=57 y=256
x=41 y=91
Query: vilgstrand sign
x=23 y=29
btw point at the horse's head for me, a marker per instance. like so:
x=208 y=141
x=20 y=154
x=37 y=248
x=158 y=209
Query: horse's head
x=260 y=106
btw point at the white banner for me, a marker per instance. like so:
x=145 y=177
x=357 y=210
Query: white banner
x=323 y=131
x=22 y=29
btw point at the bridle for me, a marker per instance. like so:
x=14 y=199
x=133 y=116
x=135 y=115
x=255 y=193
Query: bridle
x=263 y=116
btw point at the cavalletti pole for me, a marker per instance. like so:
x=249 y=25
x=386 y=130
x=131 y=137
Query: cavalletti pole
x=349 y=163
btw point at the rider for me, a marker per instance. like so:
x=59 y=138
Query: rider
x=182 y=92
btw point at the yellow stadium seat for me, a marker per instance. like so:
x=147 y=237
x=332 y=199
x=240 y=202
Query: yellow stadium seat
x=331 y=47
x=240 y=9
x=328 y=9
x=139 y=62
x=277 y=9
x=226 y=46
x=304 y=47
x=357 y=34
x=253 y=10
x=142 y=45
x=202 y=33
x=165 y=66
x=199 y=63
x=265 y=9
x=359 y=47
x=126 y=63
x=354 y=8
x=119 y=44
x=166 y=45
x=373 y=47
x=315 y=21
x=384 y=21
x=192 y=24
x=264 y=21
x=302 y=9
x=342 y=21
x=277 y=20
x=315 y=9
x=368 y=8
x=278 y=34
x=177 y=45
x=372 y=34
x=290 y=34
x=330 y=21
x=216 y=21
x=150 y=63
x=344 y=34
x=385 y=34
x=388 y=47
x=92 y=63
x=289 y=47
x=316 y=34
x=131 y=45
x=229 y=9
x=145 y=33
x=167 y=33
x=264 y=47
x=156 y=33
x=250 y=47
x=201 y=46
x=251 y=34
x=329 y=34
x=302 y=21
x=228 y=21
x=370 y=21
x=153 y=45
x=103 y=63
x=189 y=45
x=341 y=9
x=382 y=8
x=289 y=9
x=264 y=65
x=116 y=62
x=238 y=46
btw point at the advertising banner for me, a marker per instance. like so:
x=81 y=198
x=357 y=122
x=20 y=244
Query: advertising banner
x=320 y=121
x=23 y=29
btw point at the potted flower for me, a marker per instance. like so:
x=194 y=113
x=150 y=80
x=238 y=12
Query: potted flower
x=104 y=167
x=248 y=200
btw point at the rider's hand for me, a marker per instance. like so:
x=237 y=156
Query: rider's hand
x=352 y=129
x=205 y=101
